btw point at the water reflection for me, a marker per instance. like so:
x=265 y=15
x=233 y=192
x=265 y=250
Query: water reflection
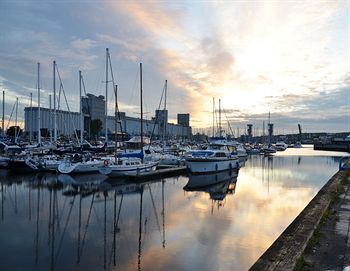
x=217 y=185
x=88 y=222
x=74 y=211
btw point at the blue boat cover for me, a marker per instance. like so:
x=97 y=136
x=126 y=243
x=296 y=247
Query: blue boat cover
x=202 y=153
x=132 y=154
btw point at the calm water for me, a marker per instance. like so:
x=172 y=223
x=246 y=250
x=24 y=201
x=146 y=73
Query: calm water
x=51 y=222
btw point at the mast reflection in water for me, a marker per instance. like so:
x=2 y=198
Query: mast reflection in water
x=220 y=221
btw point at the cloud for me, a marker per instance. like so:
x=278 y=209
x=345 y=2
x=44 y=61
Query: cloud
x=277 y=56
x=83 y=44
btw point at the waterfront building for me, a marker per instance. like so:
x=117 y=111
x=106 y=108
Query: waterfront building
x=183 y=119
x=93 y=108
x=162 y=121
x=67 y=122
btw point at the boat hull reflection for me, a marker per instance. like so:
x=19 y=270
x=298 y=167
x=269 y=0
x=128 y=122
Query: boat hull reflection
x=202 y=181
x=81 y=179
x=218 y=185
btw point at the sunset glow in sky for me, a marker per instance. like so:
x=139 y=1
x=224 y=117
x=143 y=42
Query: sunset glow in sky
x=290 y=58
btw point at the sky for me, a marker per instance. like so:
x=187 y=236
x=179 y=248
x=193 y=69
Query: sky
x=289 y=58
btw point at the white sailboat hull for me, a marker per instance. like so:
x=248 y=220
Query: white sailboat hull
x=81 y=167
x=124 y=170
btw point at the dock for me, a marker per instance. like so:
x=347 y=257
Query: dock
x=333 y=146
x=159 y=174
x=288 y=251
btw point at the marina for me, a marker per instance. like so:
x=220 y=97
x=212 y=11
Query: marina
x=175 y=135
x=58 y=221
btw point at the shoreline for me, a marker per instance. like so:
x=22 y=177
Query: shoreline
x=287 y=250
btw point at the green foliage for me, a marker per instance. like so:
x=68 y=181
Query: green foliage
x=325 y=216
x=299 y=264
x=315 y=238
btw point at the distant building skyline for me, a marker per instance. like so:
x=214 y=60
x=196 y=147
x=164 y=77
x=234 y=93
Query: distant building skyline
x=94 y=108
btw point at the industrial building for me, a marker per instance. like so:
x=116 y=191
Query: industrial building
x=94 y=108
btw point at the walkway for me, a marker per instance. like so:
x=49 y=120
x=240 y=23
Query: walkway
x=329 y=248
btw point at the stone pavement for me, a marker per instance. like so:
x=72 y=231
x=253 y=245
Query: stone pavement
x=329 y=248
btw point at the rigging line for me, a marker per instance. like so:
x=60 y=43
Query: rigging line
x=87 y=225
x=111 y=69
x=134 y=87
x=155 y=210
x=64 y=231
x=229 y=125
x=117 y=108
x=115 y=90
x=8 y=123
x=64 y=94
x=82 y=80
x=216 y=119
x=59 y=97
x=157 y=116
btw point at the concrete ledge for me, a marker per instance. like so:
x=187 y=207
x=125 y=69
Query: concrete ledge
x=290 y=245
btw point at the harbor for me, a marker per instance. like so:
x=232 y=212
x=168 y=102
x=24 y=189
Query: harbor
x=90 y=221
x=175 y=135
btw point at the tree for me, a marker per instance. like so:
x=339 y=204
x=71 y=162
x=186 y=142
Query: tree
x=95 y=127
x=14 y=131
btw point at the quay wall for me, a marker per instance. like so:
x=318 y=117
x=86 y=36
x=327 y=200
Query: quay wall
x=344 y=147
x=284 y=253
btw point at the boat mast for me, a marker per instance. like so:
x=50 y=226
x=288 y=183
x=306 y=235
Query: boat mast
x=213 y=116
x=220 y=130
x=106 y=107
x=81 y=112
x=141 y=107
x=116 y=123
x=3 y=112
x=16 y=120
x=268 y=130
x=39 y=121
x=263 y=132
x=165 y=123
x=50 y=120
x=54 y=103
x=31 y=118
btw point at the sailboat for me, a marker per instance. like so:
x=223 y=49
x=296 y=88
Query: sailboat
x=80 y=163
x=129 y=166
